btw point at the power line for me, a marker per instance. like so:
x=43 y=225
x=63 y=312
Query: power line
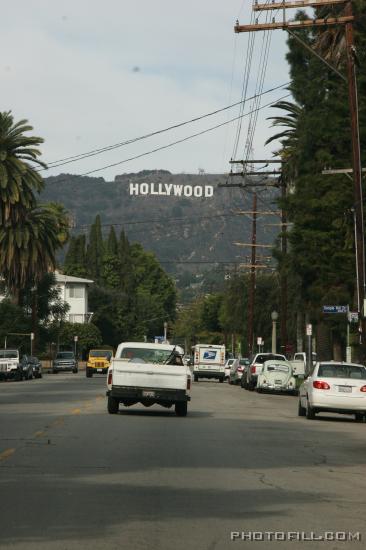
x=94 y=152
x=162 y=147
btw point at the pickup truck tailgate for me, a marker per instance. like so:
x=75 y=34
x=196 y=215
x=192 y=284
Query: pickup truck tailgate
x=149 y=375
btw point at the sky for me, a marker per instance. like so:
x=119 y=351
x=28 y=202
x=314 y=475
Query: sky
x=88 y=74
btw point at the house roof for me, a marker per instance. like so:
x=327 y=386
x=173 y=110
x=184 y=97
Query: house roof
x=61 y=278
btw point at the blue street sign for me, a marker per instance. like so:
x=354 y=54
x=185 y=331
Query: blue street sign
x=335 y=309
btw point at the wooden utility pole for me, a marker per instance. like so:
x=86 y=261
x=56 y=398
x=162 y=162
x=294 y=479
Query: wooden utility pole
x=346 y=20
x=252 y=279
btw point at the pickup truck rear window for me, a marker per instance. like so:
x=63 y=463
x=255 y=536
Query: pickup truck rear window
x=146 y=354
x=8 y=354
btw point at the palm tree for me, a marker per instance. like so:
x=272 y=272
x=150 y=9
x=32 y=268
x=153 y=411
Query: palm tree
x=19 y=179
x=28 y=247
x=289 y=137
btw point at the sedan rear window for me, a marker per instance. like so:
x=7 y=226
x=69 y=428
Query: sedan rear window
x=342 y=371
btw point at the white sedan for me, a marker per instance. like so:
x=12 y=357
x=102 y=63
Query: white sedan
x=334 y=387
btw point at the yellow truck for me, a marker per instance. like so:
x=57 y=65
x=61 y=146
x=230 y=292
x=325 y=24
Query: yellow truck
x=99 y=361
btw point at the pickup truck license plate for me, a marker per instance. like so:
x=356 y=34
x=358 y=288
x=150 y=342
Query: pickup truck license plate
x=345 y=389
x=99 y=370
x=148 y=393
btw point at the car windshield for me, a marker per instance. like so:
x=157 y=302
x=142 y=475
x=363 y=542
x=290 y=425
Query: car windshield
x=146 y=354
x=342 y=371
x=262 y=358
x=101 y=353
x=8 y=354
x=65 y=355
x=278 y=368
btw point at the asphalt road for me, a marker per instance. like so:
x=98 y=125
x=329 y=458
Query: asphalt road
x=74 y=477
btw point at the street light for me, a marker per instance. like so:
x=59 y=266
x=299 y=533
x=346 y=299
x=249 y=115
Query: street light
x=274 y=317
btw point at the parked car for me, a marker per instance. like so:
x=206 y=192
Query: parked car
x=255 y=368
x=334 y=387
x=65 y=361
x=237 y=370
x=31 y=367
x=276 y=376
x=10 y=368
x=26 y=368
x=228 y=365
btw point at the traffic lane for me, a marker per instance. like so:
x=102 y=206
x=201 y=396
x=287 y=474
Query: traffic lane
x=139 y=479
x=30 y=406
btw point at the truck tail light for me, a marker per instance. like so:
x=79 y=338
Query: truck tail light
x=363 y=389
x=110 y=376
x=252 y=370
x=320 y=385
x=188 y=383
x=240 y=369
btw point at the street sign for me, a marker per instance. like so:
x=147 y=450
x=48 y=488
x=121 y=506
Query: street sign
x=352 y=316
x=76 y=338
x=309 y=329
x=335 y=309
x=32 y=335
x=259 y=341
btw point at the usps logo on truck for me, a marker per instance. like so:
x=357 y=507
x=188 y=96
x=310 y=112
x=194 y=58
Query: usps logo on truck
x=209 y=355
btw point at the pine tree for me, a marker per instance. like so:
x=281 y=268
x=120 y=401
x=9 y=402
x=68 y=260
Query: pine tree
x=95 y=251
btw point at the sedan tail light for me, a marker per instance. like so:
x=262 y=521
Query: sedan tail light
x=252 y=370
x=240 y=369
x=320 y=385
x=110 y=374
x=363 y=389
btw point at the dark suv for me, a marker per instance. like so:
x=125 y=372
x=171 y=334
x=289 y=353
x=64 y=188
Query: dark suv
x=65 y=361
x=31 y=367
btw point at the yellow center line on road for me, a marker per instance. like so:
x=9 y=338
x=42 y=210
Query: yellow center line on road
x=38 y=434
x=6 y=454
x=76 y=411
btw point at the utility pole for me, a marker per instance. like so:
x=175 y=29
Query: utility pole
x=346 y=20
x=252 y=278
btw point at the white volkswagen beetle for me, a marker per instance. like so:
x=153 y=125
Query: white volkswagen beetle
x=276 y=375
x=334 y=387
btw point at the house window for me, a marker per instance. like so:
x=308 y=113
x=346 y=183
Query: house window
x=76 y=291
x=76 y=318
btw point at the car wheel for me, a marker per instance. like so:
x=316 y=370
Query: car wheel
x=54 y=371
x=74 y=371
x=251 y=385
x=310 y=413
x=89 y=373
x=359 y=417
x=195 y=377
x=181 y=408
x=113 y=405
x=19 y=377
x=221 y=380
x=301 y=411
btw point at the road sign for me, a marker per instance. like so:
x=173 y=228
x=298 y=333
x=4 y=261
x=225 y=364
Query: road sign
x=260 y=341
x=309 y=329
x=335 y=309
x=352 y=316
x=76 y=338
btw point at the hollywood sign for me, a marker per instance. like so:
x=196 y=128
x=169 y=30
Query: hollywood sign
x=170 y=189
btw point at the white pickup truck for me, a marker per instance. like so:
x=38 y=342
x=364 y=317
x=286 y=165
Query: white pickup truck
x=10 y=364
x=148 y=374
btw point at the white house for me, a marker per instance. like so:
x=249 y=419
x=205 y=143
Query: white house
x=74 y=291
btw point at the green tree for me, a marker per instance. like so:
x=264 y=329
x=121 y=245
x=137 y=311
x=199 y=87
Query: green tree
x=88 y=336
x=19 y=180
x=95 y=251
x=75 y=259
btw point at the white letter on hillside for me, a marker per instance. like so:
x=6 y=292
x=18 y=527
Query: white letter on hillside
x=208 y=191
x=134 y=188
x=198 y=191
x=144 y=189
x=168 y=188
x=188 y=191
x=178 y=190
x=153 y=192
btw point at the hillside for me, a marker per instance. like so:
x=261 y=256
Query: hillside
x=177 y=229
